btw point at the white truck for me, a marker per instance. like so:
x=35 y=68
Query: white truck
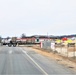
x=10 y=42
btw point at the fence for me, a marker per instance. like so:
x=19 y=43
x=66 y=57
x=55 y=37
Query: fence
x=68 y=50
x=46 y=45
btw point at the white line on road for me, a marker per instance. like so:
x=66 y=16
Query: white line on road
x=35 y=63
x=10 y=52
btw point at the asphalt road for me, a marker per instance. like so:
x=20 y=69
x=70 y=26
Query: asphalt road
x=19 y=61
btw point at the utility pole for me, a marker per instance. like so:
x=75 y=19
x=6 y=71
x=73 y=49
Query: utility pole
x=47 y=35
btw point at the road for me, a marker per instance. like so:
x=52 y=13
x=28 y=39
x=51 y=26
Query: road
x=19 y=61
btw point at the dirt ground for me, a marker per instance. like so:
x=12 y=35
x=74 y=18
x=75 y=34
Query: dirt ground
x=71 y=64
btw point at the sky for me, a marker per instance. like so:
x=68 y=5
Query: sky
x=37 y=17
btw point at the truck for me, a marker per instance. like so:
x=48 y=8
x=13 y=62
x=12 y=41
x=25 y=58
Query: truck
x=12 y=42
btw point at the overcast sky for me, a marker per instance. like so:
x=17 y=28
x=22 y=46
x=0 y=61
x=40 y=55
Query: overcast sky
x=32 y=17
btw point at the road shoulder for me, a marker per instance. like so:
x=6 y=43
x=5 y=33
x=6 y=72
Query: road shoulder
x=59 y=59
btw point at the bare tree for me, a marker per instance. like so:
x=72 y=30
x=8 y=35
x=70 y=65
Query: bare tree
x=23 y=35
